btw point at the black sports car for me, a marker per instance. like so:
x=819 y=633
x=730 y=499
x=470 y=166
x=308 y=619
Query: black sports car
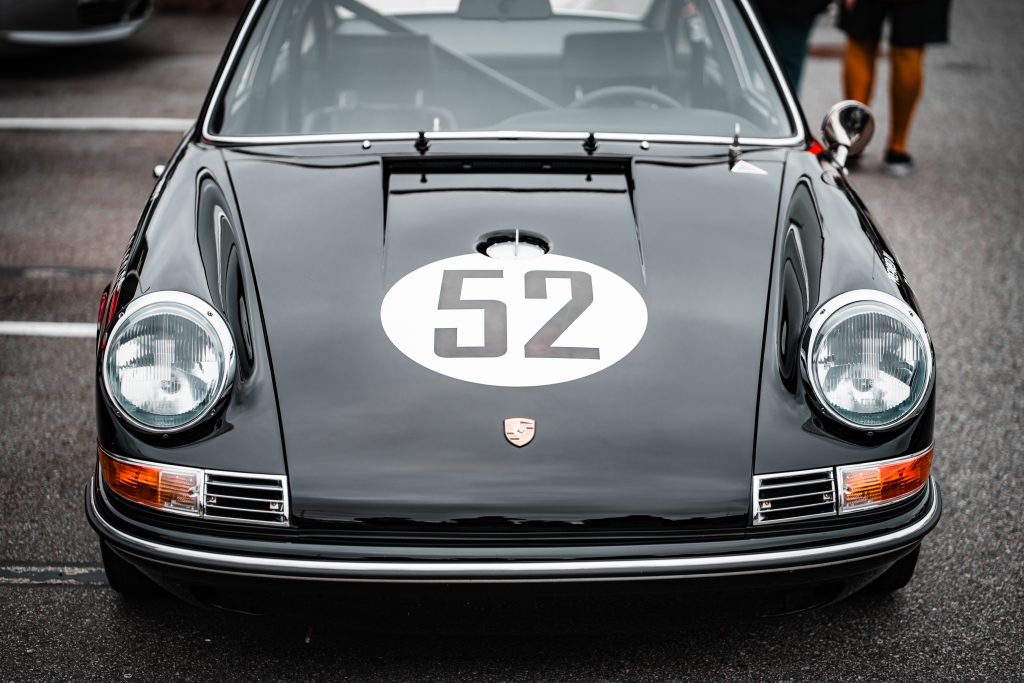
x=508 y=292
x=62 y=23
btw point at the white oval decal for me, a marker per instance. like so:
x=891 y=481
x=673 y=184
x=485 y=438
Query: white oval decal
x=514 y=323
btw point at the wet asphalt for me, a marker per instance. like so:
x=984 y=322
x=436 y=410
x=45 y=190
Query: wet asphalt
x=69 y=201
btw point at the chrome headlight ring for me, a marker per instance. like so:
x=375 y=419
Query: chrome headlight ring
x=868 y=301
x=214 y=330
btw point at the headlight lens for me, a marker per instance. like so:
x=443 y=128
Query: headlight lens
x=870 y=361
x=168 y=361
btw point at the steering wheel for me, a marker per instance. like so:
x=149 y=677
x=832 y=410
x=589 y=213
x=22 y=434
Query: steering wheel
x=625 y=96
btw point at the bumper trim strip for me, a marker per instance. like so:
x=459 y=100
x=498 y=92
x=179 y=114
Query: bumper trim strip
x=76 y=37
x=523 y=570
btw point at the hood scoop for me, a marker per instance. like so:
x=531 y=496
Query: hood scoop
x=441 y=208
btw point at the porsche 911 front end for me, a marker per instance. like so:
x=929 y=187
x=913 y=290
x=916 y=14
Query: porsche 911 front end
x=439 y=297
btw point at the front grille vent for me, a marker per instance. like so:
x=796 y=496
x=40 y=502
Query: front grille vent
x=250 y=498
x=792 y=496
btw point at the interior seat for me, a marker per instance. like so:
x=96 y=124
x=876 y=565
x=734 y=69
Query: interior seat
x=382 y=83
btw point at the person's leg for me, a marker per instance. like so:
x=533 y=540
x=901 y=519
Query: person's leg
x=905 y=87
x=861 y=21
x=789 y=38
x=914 y=25
x=859 y=70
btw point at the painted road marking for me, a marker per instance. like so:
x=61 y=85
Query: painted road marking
x=41 y=575
x=55 y=272
x=18 y=328
x=106 y=123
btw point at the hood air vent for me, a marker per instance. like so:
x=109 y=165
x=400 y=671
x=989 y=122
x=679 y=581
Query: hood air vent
x=793 y=496
x=251 y=498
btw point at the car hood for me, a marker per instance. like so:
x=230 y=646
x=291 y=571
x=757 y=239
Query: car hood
x=373 y=437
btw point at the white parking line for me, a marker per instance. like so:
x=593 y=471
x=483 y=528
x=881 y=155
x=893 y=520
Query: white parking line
x=40 y=575
x=55 y=272
x=20 y=328
x=111 y=123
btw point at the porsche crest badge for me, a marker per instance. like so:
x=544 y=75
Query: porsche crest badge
x=519 y=431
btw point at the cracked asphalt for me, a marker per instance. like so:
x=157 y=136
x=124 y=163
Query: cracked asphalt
x=69 y=201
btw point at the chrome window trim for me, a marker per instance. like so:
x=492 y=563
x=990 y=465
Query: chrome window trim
x=758 y=34
x=877 y=463
x=526 y=570
x=502 y=135
x=835 y=304
x=758 y=478
x=220 y=328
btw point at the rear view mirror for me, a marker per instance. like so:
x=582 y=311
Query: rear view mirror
x=847 y=129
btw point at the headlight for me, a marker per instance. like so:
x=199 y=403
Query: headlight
x=168 y=361
x=868 y=359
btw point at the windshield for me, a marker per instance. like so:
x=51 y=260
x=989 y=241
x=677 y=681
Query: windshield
x=673 y=67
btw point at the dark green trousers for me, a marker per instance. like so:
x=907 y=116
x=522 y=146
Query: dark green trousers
x=790 y=38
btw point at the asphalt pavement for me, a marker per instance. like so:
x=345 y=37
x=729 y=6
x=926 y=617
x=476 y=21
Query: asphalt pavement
x=70 y=200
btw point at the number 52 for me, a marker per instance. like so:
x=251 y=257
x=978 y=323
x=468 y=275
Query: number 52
x=496 y=316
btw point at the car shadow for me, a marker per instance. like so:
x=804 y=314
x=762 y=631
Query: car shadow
x=18 y=63
x=618 y=642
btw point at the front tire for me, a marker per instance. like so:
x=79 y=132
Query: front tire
x=123 y=577
x=896 y=576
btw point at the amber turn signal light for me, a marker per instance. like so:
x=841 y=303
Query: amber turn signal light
x=164 y=487
x=870 y=485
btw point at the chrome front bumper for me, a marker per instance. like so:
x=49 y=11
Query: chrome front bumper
x=279 y=565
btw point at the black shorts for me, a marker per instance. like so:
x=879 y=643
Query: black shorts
x=914 y=22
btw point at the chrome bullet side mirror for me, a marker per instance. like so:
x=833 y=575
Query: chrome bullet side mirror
x=847 y=129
